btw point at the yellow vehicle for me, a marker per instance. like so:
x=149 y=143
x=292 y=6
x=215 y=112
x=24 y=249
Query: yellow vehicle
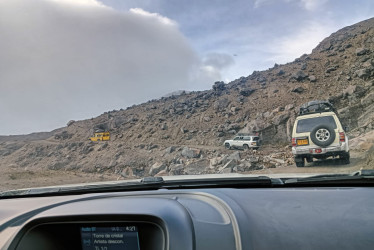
x=101 y=136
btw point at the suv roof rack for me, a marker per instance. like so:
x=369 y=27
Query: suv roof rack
x=313 y=107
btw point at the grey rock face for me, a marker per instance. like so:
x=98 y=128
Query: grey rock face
x=221 y=104
x=246 y=92
x=363 y=73
x=312 y=78
x=299 y=76
x=219 y=86
x=361 y=51
x=157 y=167
x=191 y=153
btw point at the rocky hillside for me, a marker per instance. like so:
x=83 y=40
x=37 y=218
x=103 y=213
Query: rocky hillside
x=183 y=134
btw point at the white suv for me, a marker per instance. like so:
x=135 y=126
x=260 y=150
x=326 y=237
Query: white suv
x=243 y=141
x=318 y=133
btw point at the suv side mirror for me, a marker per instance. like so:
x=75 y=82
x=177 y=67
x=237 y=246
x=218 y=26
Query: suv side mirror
x=346 y=129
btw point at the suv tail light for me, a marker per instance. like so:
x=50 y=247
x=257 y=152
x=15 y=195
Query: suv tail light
x=294 y=142
x=342 y=137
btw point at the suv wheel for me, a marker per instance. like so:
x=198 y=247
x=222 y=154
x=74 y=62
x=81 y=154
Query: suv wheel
x=227 y=145
x=246 y=147
x=299 y=162
x=322 y=135
x=309 y=159
x=345 y=158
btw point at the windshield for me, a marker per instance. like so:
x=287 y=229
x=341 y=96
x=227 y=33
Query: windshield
x=306 y=125
x=116 y=90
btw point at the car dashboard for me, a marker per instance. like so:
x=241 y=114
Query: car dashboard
x=186 y=219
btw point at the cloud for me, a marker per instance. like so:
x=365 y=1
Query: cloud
x=218 y=61
x=309 y=5
x=90 y=3
x=214 y=64
x=260 y=3
x=69 y=59
x=155 y=16
x=302 y=41
x=312 y=5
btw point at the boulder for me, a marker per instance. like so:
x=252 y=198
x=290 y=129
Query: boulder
x=157 y=167
x=331 y=68
x=191 y=152
x=71 y=122
x=221 y=104
x=170 y=149
x=312 y=78
x=368 y=63
x=289 y=107
x=162 y=173
x=234 y=109
x=183 y=130
x=299 y=76
x=281 y=118
x=214 y=162
x=206 y=119
x=246 y=92
x=363 y=73
x=127 y=172
x=298 y=90
x=361 y=51
x=367 y=100
x=349 y=90
x=176 y=169
x=228 y=167
x=196 y=168
x=219 y=86
x=234 y=156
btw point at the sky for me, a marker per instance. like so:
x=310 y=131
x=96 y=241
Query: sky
x=63 y=60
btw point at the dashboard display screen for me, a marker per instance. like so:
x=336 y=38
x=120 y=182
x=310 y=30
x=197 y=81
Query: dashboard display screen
x=110 y=238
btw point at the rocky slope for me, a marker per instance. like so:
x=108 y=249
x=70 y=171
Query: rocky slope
x=183 y=134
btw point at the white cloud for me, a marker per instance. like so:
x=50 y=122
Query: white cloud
x=63 y=60
x=303 y=41
x=215 y=64
x=154 y=16
x=79 y=2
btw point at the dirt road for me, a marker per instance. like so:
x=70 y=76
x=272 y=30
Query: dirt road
x=16 y=178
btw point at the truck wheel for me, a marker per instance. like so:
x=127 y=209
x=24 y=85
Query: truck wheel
x=299 y=162
x=345 y=158
x=322 y=135
x=227 y=145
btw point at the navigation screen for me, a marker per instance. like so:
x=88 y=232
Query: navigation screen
x=110 y=238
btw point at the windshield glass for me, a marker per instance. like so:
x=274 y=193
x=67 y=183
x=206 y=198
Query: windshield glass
x=116 y=90
x=306 y=125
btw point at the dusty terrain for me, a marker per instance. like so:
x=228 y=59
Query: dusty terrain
x=183 y=134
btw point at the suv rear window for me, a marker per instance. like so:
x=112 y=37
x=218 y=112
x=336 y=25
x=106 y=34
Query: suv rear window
x=306 y=125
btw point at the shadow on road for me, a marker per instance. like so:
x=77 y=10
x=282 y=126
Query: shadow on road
x=331 y=163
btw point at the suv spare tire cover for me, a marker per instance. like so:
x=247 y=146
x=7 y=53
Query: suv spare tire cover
x=322 y=135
